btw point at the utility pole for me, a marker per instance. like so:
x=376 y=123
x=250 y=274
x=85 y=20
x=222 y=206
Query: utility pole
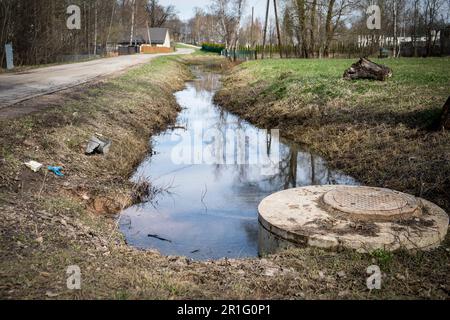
x=95 y=28
x=149 y=35
x=265 y=28
x=278 y=28
x=251 y=30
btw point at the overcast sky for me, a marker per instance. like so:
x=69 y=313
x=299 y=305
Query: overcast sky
x=185 y=8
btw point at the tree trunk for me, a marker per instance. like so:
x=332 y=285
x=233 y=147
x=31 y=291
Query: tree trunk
x=414 y=37
x=395 y=28
x=133 y=12
x=366 y=69
x=313 y=28
x=265 y=30
x=278 y=28
x=302 y=20
x=237 y=28
x=329 y=28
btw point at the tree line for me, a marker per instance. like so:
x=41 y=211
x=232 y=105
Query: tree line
x=306 y=28
x=39 y=34
x=317 y=28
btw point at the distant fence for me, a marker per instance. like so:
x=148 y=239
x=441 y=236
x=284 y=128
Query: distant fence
x=336 y=50
x=292 y=51
x=241 y=55
x=147 y=49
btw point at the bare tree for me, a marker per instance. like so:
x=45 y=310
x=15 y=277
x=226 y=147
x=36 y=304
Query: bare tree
x=158 y=14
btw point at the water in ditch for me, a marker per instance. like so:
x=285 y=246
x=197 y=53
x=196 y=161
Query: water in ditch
x=207 y=209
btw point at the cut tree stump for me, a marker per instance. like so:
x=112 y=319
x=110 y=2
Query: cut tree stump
x=366 y=69
x=445 y=118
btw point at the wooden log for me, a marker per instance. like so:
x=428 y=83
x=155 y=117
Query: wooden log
x=445 y=118
x=366 y=69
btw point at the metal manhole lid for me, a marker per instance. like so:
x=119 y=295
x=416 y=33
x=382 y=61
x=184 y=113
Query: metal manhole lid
x=375 y=204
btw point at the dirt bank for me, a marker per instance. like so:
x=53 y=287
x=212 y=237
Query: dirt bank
x=49 y=223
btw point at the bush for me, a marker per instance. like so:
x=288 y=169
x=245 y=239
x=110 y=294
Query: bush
x=213 y=47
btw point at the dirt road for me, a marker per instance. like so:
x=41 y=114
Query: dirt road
x=18 y=87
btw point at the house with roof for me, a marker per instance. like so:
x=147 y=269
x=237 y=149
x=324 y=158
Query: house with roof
x=155 y=37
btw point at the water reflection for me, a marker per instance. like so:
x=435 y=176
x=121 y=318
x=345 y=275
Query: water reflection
x=210 y=211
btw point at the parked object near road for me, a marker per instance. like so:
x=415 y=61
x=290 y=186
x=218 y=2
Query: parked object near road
x=126 y=50
x=9 y=56
x=97 y=145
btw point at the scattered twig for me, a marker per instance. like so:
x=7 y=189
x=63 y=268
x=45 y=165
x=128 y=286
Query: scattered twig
x=43 y=184
x=158 y=237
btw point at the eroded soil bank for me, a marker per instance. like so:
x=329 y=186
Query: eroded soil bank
x=49 y=223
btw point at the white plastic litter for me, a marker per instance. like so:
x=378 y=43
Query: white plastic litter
x=34 y=166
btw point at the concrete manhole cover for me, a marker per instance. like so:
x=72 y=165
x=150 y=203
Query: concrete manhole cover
x=372 y=204
x=360 y=218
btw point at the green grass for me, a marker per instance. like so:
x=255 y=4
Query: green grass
x=411 y=70
x=323 y=78
x=319 y=82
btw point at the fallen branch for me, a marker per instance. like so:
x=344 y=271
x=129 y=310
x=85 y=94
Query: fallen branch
x=445 y=117
x=158 y=237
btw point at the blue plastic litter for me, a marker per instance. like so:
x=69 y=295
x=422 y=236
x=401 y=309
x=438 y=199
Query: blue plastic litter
x=56 y=170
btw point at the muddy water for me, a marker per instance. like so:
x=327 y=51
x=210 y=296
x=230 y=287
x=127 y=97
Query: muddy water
x=209 y=211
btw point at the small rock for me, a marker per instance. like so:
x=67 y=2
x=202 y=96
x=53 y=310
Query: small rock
x=341 y=274
x=321 y=274
x=39 y=240
x=180 y=263
x=51 y=294
x=400 y=277
x=344 y=293
x=271 y=272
